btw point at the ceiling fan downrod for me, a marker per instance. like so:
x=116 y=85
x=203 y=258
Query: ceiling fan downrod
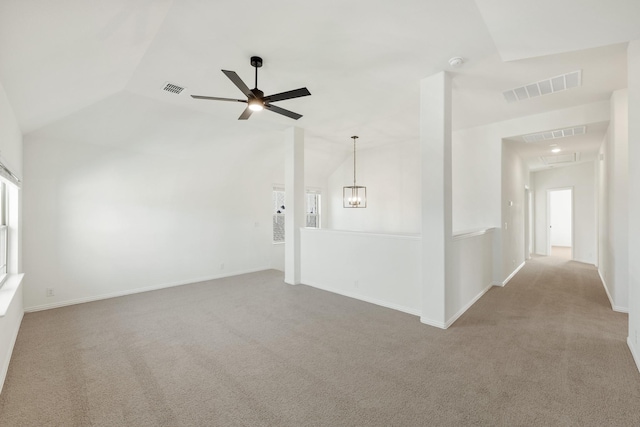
x=256 y=62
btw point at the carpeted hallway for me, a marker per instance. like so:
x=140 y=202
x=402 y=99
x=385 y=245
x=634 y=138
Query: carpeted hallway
x=251 y=351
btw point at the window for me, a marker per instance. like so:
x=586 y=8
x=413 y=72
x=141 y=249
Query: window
x=278 y=215
x=4 y=230
x=312 y=212
x=312 y=218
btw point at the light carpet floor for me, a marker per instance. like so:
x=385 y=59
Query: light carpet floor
x=561 y=252
x=251 y=351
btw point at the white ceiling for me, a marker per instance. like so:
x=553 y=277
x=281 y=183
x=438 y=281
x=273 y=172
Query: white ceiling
x=526 y=29
x=586 y=146
x=361 y=60
x=58 y=57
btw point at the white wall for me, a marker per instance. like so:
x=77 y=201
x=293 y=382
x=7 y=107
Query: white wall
x=613 y=182
x=318 y=163
x=277 y=256
x=581 y=178
x=486 y=177
x=618 y=195
x=602 y=203
x=381 y=269
x=477 y=199
x=476 y=178
x=391 y=174
x=116 y=204
x=385 y=269
x=515 y=178
x=11 y=307
x=471 y=272
x=634 y=198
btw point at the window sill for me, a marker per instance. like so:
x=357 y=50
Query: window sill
x=8 y=291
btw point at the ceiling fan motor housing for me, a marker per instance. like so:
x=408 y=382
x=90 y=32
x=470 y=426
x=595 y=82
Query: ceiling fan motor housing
x=256 y=61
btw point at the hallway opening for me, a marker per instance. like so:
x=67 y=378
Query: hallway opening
x=560 y=223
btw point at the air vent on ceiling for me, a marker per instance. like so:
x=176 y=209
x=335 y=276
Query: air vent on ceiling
x=173 y=88
x=553 y=134
x=544 y=87
x=560 y=159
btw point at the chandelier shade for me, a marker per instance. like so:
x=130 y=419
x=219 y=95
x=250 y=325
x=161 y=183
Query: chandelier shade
x=354 y=196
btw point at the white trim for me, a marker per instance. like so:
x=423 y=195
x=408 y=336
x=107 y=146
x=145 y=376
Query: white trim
x=458 y=235
x=573 y=209
x=9 y=176
x=386 y=304
x=362 y=233
x=5 y=368
x=505 y=281
x=138 y=290
x=460 y=312
x=8 y=291
x=313 y=190
x=634 y=353
x=606 y=289
x=433 y=323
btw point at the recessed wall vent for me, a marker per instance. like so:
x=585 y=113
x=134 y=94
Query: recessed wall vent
x=553 y=134
x=544 y=87
x=173 y=88
x=560 y=159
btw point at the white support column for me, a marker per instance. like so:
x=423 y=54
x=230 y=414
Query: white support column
x=435 y=148
x=619 y=197
x=633 y=81
x=294 y=203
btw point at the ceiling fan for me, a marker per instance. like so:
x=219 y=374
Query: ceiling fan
x=255 y=97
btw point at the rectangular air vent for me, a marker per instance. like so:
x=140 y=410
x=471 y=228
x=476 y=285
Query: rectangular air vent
x=560 y=158
x=173 y=88
x=553 y=134
x=544 y=87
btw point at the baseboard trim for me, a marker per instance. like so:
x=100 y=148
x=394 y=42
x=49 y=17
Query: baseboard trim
x=137 y=290
x=634 y=353
x=460 y=312
x=433 y=323
x=513 y=273
x=606 y=290
x=5 y=368
x=382 y=303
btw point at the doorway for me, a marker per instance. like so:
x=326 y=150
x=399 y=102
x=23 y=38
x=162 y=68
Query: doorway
x=560 y=223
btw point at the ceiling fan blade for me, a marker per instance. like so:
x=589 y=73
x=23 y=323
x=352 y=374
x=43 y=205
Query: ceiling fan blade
x=282 y=111
x=218 y=99
x=297 y=93
x=238 y=82
x=245 y=114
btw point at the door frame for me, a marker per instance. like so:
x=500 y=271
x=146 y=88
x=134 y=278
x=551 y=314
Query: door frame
x=573 y=215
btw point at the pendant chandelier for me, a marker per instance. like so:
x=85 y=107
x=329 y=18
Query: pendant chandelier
x=354 y=196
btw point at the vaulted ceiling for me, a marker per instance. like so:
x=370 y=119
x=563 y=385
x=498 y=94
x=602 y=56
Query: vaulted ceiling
x=361 y=60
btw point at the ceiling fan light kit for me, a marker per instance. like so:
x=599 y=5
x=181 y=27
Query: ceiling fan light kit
x=256 y=105
x=256 y=101
x=354 y=196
